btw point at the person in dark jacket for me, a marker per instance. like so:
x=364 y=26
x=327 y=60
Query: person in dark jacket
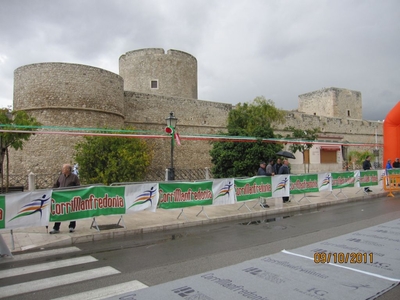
x=367 y=166
x=396 y=163
x=270 y=167
x=66 y=178
x=285 y=170
x=262 y=171
x=278 y=165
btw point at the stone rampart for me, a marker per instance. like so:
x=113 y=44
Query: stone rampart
x=174 y=72
x=60 y=94
x=149 y=111
x=332 y=102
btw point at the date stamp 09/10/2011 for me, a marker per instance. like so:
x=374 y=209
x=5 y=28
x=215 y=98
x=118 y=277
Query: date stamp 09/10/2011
x=343 y=257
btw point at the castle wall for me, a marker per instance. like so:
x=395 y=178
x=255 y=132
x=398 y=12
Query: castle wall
x=72 y=95
x=149 y=111
x=60 y=94
x=332 y=130
x=332 y=102
x=174 y=71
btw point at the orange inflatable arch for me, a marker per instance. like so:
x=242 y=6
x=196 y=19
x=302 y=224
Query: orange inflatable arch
x=391 y=135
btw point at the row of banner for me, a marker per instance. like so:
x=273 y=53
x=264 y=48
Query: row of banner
x=38 y=208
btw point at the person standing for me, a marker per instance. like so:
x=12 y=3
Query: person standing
x=367 y=166
x=389 y=164
x=262 y=171
x=277 y=166
x=284 y=169
x=396 y=163
x=66 y=178
x=270 y=168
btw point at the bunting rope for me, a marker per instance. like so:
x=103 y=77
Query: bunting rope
x=74 y=131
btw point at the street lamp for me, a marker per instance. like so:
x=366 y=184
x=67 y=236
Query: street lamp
x=171 y=123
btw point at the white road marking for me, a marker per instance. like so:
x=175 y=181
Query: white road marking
x=45 y=253
x=106 y=292
x=41 y=284
x=47 y=266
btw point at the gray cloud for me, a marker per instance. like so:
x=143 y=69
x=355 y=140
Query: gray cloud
x=278 y=49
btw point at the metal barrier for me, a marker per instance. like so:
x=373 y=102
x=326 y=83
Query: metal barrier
x=391 y=183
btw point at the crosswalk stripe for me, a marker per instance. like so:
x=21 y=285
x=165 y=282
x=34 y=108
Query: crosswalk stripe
x=41 y=284
x=102 y=293
x=47 y=266
x=45 y=253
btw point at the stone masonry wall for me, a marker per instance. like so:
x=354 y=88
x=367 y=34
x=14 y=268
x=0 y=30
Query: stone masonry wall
x=175 y=72
x=60 y=94
x=335 y=130
x=332 y=102
x=149 y=111
x=352 y=130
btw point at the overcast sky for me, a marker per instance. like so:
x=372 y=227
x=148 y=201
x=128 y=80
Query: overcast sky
x=244 y=48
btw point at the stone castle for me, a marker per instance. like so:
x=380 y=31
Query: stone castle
x=151 y=84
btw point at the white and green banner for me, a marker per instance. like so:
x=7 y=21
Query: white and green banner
x=367 y=178
x=301 y=184
x=38 y=208
x=223 y=191
x=81 y=203
x=253 y=188
x=393 y=171
x=343 y=179
x=25 y=209
x=381 y=174
x=185 y=194
x=324 y=182
x=140 y=197
x=280 y=186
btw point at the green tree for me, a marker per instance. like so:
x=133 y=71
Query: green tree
x=13 y=120
x=304 y=136
x=356 y=158
x=237 y=159
x=112 y=159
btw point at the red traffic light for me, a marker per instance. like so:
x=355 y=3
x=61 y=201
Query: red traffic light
x=169 y=130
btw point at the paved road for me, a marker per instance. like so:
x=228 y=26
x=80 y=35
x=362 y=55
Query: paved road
x=162 y=257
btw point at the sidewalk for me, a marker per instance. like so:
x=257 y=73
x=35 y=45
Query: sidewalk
x=145 y=222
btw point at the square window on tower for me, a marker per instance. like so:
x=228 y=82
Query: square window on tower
x=154 y=84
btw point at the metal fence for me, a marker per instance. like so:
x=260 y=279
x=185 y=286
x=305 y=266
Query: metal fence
x=180 y=174
x=45 y=181
x=351 y=167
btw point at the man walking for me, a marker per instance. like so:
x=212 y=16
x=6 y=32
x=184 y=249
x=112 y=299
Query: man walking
x=66 y=178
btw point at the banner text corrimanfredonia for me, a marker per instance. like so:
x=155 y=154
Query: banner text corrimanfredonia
x=78 y=204
x=253 y=189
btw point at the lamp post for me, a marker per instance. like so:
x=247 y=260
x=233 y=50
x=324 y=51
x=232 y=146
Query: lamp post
x=171 y=123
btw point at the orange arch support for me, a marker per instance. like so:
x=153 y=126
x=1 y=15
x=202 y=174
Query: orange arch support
x=391 y=135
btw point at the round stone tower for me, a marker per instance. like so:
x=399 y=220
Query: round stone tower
x=61 y=94
x=153 y=71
